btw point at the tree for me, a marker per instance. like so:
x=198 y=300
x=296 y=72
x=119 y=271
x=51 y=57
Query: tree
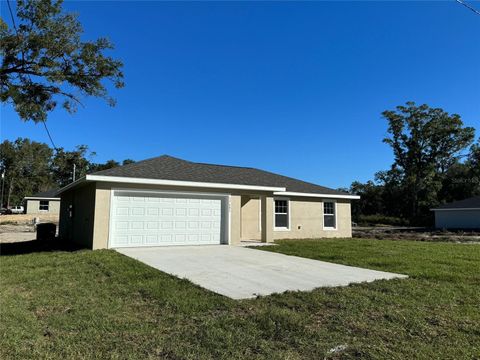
x=108 y=165
x=45 y=62
x=27 y=169
x=31 y=167
x=393 y=193
x=128 y=162
x=63 y=164
x=473 y=164
x=371 y=202
x=457 y=184
x=426 y=142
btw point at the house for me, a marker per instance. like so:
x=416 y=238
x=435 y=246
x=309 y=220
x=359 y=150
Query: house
x=463 y=214
x=168 y=201
x=46 y=202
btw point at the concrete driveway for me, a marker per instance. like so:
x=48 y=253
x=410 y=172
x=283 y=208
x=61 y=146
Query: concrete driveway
x=242 y=273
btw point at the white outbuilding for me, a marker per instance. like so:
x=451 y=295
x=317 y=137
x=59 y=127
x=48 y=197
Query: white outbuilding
x=47 y=202
x=463 y=214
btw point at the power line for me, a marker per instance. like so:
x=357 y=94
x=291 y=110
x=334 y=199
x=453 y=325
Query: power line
x=468 y=6
x=49 y=136
x=11 y=15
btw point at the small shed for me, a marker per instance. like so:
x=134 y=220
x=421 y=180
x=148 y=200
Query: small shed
x=463 y=214
x=46 y=202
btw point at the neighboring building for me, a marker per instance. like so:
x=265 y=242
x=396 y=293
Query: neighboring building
x=46 y=202
x=169 y=201
x=463 y=214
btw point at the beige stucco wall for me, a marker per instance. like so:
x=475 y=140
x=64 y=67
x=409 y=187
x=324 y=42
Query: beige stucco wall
x=79 y=227
x=250 y=219
x=33 y=207
x=102 y=209
x=267 y=218
x=90 y=224
x=102 y=216
x=457 y=219
x=235 y=218
x=306 y=220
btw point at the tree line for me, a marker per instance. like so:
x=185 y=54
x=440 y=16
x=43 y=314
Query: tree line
x=30 y=167
x=435 y=161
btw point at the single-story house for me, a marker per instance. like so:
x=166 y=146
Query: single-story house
x=46 y=202
x=463 y=214
x=168 y=201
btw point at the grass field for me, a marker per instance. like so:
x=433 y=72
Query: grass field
x=100 y=304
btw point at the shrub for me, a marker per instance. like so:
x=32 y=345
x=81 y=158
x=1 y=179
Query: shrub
x=371 y=220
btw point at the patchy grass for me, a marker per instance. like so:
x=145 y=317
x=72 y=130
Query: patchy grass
x=23 y=219
x=100 y=304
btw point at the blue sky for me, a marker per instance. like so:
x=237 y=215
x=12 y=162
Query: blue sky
x=294 y=88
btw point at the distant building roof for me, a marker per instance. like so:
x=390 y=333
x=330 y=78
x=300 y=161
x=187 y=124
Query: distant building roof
x=470 y=203
x=49 y=194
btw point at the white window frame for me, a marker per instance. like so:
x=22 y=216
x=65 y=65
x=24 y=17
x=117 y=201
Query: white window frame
x=329 y=228
x=288 y=214
x=40 y=205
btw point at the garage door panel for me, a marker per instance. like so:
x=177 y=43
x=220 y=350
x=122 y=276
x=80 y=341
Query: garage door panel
x=151 y=219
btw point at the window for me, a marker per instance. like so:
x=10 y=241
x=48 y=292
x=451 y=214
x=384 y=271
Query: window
x=281 y=214
x=43 y=205
x=329 y=220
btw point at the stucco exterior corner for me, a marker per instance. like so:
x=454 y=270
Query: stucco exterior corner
x=102 y=217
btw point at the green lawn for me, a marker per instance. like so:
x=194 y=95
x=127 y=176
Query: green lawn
x=100 y=304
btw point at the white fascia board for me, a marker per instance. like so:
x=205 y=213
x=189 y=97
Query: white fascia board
x=455 y=209
x=41 y=198
x=326 y=196
x=128 y=180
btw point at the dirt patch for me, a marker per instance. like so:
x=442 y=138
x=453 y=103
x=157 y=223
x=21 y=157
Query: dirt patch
x=9 y=237
x=17 y=219
x=416 y=233
x=23 y=230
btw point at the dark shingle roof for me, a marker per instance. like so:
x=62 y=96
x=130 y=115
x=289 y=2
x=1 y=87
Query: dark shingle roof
x=470 y=203
x=169 y=168
x=52 y=193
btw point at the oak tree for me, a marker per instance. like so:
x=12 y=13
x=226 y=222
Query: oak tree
x=45 y=62
x=426 y=142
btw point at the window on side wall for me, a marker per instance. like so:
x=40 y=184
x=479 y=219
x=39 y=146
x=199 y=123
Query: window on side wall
x=281 y=215
x=43 y=206
x=329 y=215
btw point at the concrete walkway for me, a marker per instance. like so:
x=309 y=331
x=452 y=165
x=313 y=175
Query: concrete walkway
x=242 y=273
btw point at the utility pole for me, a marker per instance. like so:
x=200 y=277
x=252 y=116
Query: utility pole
x=3 y=184
x=74 y=169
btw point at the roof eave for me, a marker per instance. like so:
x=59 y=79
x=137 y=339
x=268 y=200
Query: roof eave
x=143 y=181
x=319 y=195
x=40 y=198
x=72 y=185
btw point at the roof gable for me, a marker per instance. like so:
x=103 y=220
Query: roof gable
x=49 y=194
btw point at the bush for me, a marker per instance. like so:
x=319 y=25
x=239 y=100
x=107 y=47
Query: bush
x=371 y=220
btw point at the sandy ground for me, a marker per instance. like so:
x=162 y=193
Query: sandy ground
x=16 y=232
x=18 y=228
x=12 y=237
x=27 y=218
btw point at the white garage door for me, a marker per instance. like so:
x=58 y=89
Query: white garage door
x=161 y=219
